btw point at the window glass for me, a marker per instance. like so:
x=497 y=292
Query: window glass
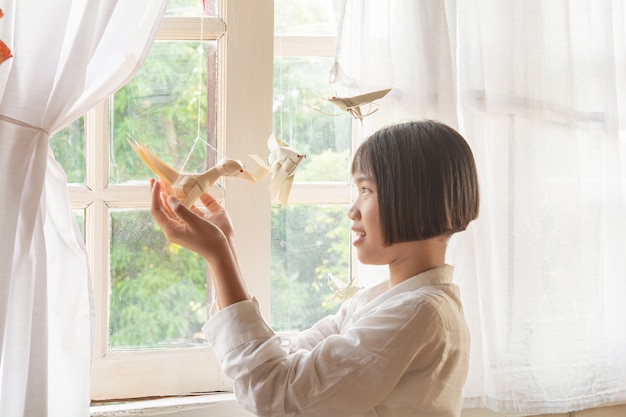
x=191 y=8
x=151 y=296
x=170 y=107
x=300 y=87
x=158 y=294
x=68 y=146
x=309 y=242
x=305 y=17
x=79 y=215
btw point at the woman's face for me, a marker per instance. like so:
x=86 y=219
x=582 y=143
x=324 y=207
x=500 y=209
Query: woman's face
x=368 y=238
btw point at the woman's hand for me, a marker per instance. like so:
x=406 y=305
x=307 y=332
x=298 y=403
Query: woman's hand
x=216 y=215
x=207 y=234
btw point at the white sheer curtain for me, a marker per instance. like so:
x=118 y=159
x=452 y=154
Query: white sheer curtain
x=539 y=90
x=68 y=55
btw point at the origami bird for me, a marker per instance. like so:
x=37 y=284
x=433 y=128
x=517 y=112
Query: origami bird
x=341 y=290
x=188 y=187
x=353 y=104
x=281 y=163
x=5 y=52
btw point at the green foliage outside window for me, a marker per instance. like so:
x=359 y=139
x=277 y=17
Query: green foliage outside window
x=68 y=146
x=158 y=290
x=163 y=106
x=308 y=243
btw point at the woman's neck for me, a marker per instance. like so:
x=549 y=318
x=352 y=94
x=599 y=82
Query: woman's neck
x=416 y=257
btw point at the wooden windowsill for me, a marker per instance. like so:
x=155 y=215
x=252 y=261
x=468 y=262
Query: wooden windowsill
x=202 y=405
x=224 y=404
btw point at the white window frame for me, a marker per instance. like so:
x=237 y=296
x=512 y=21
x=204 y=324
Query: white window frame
x=244 y=32
x=314 y=193
x=319 y=192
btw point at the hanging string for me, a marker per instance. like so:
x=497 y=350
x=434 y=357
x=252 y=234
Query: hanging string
x=278 y=105
x=202 y=59
x=198 y=93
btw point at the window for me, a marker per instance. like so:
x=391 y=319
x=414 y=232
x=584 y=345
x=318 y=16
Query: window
x=310 y=237
x=186 y=105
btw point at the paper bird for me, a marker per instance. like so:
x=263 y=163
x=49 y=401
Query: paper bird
x=281 y=163
x=5 y=52
x=189 y=187
x=353 y=105
x=341 y=290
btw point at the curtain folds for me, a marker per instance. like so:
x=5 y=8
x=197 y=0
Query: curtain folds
x=539 y=90
x=68 y=55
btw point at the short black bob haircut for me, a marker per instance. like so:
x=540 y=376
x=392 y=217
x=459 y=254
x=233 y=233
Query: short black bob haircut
x=425 y=177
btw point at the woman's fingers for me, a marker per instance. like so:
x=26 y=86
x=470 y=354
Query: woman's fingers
x=166 y=188
x=166 y=206
x=210 y=203
x=157 y=210
x=182 y=212
x=197 y=211
x=186 y=227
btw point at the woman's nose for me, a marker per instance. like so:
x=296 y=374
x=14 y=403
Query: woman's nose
x=353 y=212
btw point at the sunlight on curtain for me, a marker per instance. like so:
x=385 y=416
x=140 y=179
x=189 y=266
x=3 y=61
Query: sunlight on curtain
x=539 y=91
x=68 y=55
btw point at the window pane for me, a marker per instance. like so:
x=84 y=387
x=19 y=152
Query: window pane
x=306 y=17
x=300 y=86
x=79 y=215
x=68 y=147
x=169 y=106
x=158 y=289
x=308 y=243
x=191 y=8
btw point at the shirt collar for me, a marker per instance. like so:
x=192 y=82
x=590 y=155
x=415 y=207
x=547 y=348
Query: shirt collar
x=436 y=276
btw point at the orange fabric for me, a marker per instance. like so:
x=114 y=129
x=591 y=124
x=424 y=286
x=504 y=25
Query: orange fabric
x=5 y=52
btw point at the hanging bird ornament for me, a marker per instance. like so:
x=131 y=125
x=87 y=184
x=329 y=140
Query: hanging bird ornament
x=341 y=290
x=354 y=105
x=5 y=52
x=281 y=164
x=188 y=187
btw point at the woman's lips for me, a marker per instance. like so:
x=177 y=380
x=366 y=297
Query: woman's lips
x=359 y=235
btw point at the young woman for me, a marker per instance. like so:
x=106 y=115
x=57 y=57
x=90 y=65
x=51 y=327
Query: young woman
x=400 y=348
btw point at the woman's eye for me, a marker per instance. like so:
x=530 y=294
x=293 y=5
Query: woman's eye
x=363 y=189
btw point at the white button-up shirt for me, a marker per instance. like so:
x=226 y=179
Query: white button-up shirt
x=400 y=351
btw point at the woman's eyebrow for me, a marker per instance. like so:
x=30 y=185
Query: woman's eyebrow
x=363 y=178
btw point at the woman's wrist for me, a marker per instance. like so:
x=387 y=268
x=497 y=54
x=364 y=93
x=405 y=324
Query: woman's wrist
x=228 y=282
x=214 y=247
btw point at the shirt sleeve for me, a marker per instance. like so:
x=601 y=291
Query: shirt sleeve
x=327 y=326
x=310 y=338
x=343 y=374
